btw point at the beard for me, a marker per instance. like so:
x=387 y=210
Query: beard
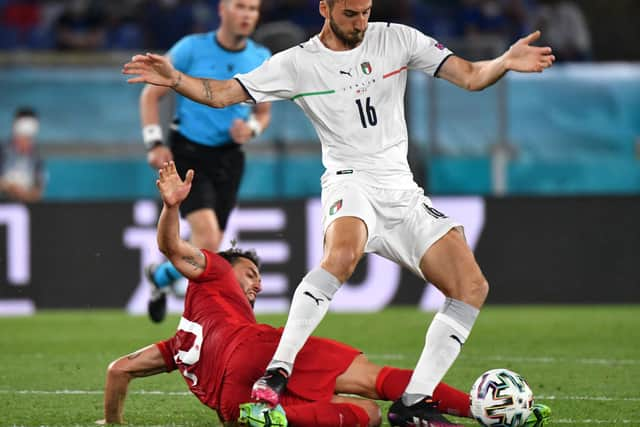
x=352 y=39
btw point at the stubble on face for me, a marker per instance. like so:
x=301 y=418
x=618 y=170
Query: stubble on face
x=351 y=39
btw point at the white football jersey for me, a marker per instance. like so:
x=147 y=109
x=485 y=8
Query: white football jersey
x=354 y=98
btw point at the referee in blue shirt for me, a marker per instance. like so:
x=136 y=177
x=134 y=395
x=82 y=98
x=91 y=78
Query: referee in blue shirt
x=205 y=139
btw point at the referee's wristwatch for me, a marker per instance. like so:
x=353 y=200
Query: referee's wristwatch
x=152 y=136
x=255 y=126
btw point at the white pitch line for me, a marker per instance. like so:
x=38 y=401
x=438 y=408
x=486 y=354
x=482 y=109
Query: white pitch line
x=544 y=360
x=186 y=393
x=593 y=398
x=584 y=361
x=87 y=392
x=583 y=422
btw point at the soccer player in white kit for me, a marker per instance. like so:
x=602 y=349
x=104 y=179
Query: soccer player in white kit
x=350 y=81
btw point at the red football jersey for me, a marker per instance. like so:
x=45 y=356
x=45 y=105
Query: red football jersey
x=217 y=317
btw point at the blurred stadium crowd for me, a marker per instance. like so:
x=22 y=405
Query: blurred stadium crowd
x=156 y=24
x=63 y=49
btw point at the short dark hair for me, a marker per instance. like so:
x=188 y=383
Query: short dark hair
x=329 y=3
x=233 y=254
x=25 y=112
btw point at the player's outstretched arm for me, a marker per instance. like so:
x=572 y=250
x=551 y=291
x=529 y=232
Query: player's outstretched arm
x=521 y=57
x=158 y=70
x=142 y=363
x=187 y=259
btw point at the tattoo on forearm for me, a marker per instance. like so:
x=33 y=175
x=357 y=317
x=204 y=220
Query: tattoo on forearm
x=192 y=261
x=177 y=83
x=134 y=355
x=196 y=261
x=206 y=85
x=148 y=372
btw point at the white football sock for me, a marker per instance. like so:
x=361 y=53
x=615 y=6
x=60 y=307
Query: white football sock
x=308 y=307
x=445 y=337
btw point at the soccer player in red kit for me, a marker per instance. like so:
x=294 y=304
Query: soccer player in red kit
x=221 y=350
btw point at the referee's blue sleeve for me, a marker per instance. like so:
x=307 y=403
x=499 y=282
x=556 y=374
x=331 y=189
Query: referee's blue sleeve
x=180 y=53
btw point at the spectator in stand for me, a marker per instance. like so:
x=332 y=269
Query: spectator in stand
x=22 y=175
x=18 y=20
x=482 y=17
x=398 y=11
x=297 y=13
x=81 y=26
x=165 y=22
x=122 y=25
x=564 y=25
x=519 y=14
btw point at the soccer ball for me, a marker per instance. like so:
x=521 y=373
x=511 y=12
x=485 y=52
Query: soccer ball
x=501 y=398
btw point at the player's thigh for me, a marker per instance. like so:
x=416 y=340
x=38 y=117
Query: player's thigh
x=347 y=218
x=344 y=245
x=205 y=231
x=451 y=266
x=347 y=199
x=202 y=194
x=359 y=378
x=371 y=407
x=318 y=365
x=226 y=174
x=405 y=242
x=248 y=363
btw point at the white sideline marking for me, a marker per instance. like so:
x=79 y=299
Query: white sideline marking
x=584 y=361
x=186 y=393
x=85 y=392
x=596 y=398
x=582 y=422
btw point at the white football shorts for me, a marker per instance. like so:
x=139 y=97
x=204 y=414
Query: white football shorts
x=401 y=224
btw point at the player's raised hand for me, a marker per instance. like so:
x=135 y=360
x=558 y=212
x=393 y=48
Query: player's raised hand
x=173 y=189
x=240 y=132
x=525 y=58
x=151 y=68
x=158 y=156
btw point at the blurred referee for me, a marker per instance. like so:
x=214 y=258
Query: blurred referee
x=205 y=139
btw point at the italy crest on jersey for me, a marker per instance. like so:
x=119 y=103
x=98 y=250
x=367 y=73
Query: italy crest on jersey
x=335 y=207
x=366 y=67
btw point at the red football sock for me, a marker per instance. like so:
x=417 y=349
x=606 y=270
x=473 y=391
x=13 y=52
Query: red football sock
x=326 y=414
x=392 y=382
x=452 y=401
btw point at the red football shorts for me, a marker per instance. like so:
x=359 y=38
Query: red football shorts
x=317 y=366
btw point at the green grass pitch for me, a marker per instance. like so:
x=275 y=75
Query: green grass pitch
x=582 y=361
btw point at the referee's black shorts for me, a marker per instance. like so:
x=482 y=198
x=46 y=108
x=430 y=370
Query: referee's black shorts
x=218 y=172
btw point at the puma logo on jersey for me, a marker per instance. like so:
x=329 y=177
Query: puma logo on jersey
x=348 y=73
x=317 y=300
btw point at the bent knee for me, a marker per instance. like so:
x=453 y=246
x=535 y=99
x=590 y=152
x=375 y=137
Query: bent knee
x=341 y=262
x=475 y=292
x=480 y=289
x=117 y=367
